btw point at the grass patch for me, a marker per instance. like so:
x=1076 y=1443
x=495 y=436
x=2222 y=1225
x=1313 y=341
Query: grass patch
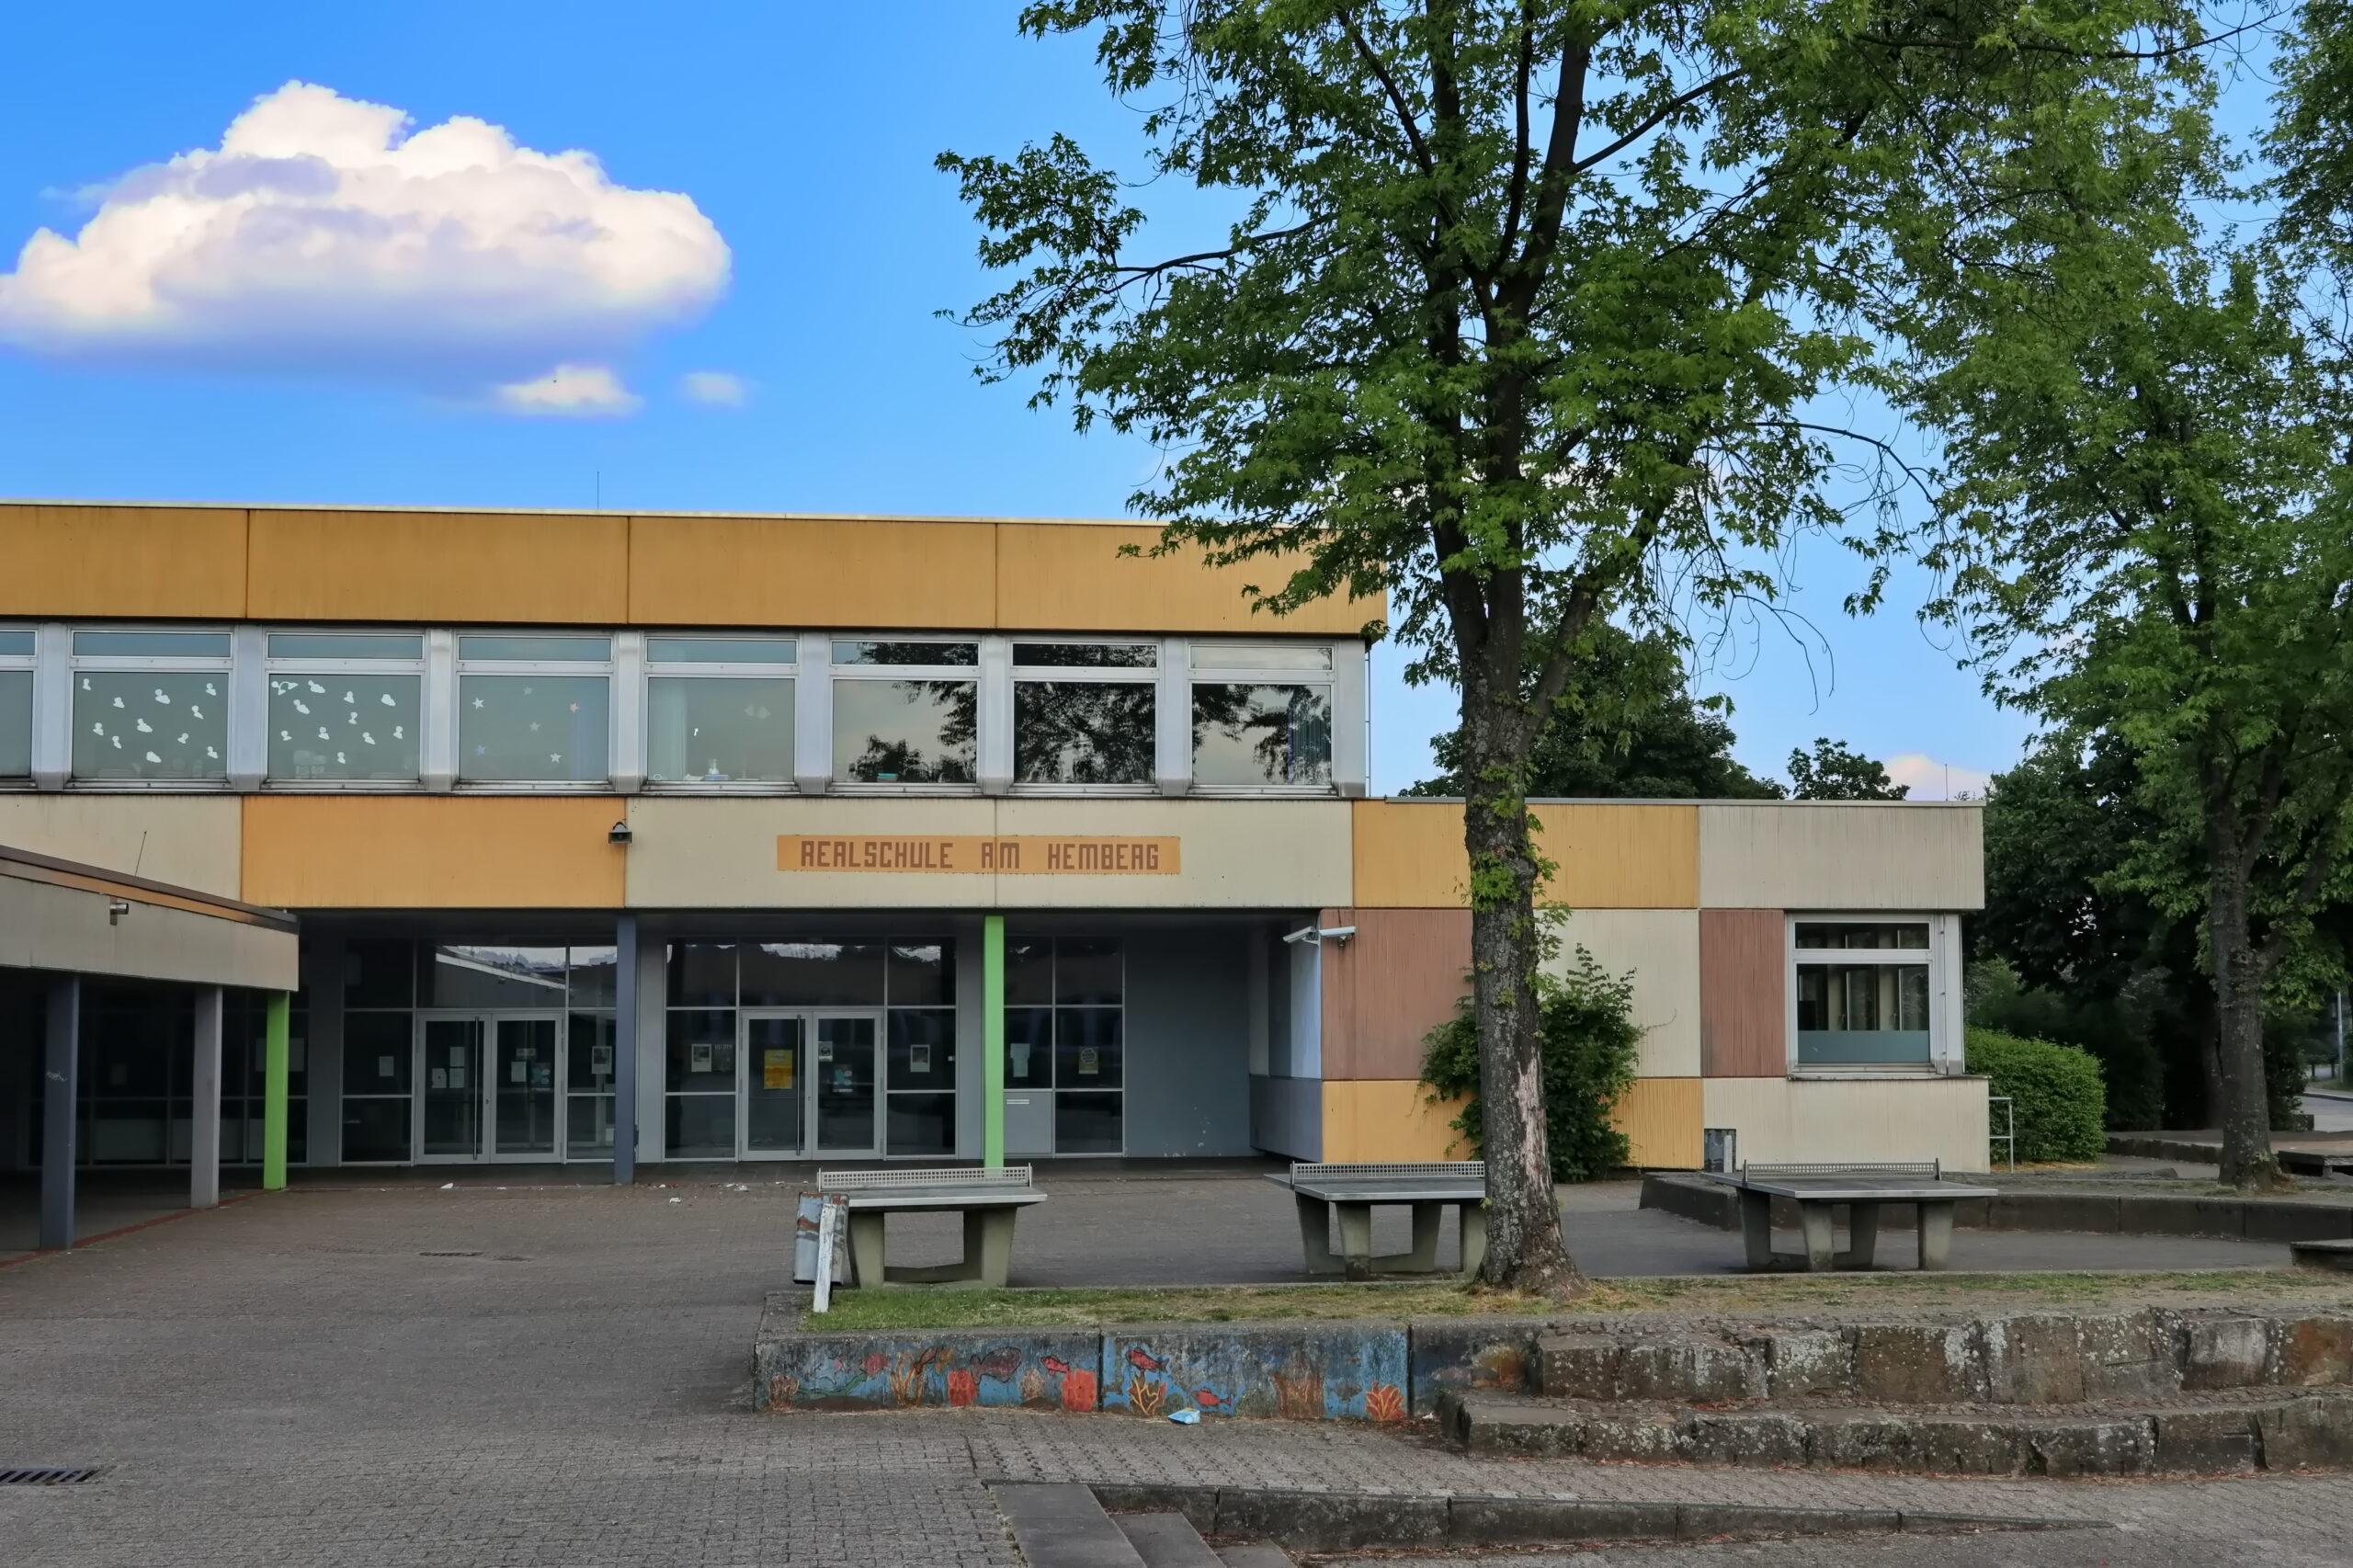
x=892 y=1310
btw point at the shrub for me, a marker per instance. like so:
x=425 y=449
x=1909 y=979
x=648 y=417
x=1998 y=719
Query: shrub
x=1589 y=1042
x=2056 y=1092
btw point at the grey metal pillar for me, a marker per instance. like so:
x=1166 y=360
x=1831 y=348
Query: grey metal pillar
x=625 y=1052
x=58 y=1091
x=204 y=1105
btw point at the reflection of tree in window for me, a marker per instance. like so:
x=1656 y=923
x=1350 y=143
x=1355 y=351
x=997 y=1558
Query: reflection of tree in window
x=930 y=744
x=1262 y=734
x=1081 y=733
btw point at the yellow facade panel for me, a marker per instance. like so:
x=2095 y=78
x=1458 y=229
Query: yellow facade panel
x=1073 y=577
x=1388 y=1120
x=176 y=562
x=442 y=567
x=1660 y=1117
x=431 y=852
x=848 y=572
x=1607 y=854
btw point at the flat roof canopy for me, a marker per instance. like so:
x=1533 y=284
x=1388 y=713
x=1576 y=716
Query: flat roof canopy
x=71 y=918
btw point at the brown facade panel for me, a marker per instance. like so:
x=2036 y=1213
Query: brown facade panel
x=1395 y=980
x=1744 y=997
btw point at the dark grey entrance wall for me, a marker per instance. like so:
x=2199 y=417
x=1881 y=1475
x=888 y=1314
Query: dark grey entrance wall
x=1188 y=1042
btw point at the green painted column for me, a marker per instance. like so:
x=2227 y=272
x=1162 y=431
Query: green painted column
x=993 y=1040
x=275 y=1061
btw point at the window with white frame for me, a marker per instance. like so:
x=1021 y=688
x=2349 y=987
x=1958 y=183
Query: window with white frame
x=1262 y=715
x=150 y=705
x=16 y=703
x=906 y=711
x=534 y=708
x=1864 y=991
x=719 y=710
x=1084 y=712
x=345 y=707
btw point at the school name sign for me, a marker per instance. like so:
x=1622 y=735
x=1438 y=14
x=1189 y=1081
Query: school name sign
x=1022 y=855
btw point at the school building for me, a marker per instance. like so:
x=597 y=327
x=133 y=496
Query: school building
x=785 y=837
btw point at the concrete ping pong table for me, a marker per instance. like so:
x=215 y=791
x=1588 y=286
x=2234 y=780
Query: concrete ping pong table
x=990 y=1199
x=1427 y=1188
x=1817 y=1190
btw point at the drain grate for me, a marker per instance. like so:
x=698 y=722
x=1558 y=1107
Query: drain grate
x=34 y=1475
x=449 y=1254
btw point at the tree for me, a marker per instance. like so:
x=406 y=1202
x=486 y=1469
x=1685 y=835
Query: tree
x=1628 y=728
x=1835 y=771
x=1520 y=317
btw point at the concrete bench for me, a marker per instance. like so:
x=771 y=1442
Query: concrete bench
x=1817 y=1190
x=989 y=1200
x=1352 y=1190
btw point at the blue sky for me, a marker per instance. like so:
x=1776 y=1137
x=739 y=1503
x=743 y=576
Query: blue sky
x=804 y=137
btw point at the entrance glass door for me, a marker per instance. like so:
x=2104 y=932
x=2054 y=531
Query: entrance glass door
x=845 y=1096
x=522 y=1088
x=449 y=1111
x=775 y=1099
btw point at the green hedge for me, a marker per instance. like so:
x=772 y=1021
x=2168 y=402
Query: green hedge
x=2057 y=1094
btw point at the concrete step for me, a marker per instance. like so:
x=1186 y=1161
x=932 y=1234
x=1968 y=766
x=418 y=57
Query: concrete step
x=1255 y=1555
x=2214 y=1435
x=1060 y=1525
x=1166 y=1541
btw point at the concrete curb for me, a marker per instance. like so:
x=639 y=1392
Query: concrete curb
x=2127 y=1213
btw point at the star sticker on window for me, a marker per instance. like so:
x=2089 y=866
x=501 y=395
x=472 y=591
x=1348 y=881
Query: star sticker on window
x=477 y=702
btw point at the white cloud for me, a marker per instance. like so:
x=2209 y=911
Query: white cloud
x=1933 y=780
x=571 y=392
x=719 y=389
x=321 y=239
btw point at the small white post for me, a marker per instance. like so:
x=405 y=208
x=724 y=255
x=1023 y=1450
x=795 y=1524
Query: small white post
x=828 y=1224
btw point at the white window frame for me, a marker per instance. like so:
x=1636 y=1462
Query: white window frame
x=428 y=699
x=976 y=673
x=1947 y=1054
x=1335 y=681
x=27 y=664
x=223 y=664
x=461 y=667
x=654 y=669
x=1148 y=676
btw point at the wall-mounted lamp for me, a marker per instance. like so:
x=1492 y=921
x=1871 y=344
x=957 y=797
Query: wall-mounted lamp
x=116 y=909
x=620 y=834
x=1316 y=935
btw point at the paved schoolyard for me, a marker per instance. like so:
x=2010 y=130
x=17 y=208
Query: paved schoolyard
x=412 y=1376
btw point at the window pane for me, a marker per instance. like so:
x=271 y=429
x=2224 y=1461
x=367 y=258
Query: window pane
x=1862 y=1013
x=923 y=974
x=903 y=732
x=378 y=972
x=531 y=727
x=1264 y=656
x=906 y=653
x=1086 y=1048
x=923 y=1047
x=1030 y=971
x=718 y=729
x=595 y=976
x=536 y=649
x=702 y=975
x=1088 y=1124
x=799 y=974
x=15 y=641
x=1855 y=933
x=153 y=644
x=490 y=976
x=347 y=645
x=922 y=1124
x=150 y=724
x=588 y=1068
x=1080 y=655
x=1262 y=734
x=1087 y=970
x=375 y=1130
x=701 y=1126
x=344 y=726
x=1081 y=733
x=376 y=1052
x=15 y=723
x=1028 y=1048
x=702 y=1055
x=722 y=650
x=588 y=1126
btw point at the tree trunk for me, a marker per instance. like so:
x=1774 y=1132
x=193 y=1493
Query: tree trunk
x=2245 y=1105
x=1525 y=1249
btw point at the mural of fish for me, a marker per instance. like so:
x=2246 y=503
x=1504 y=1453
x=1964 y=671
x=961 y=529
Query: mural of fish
x=1054 y=1364
x=1142 y=1360
x=1000 y=1363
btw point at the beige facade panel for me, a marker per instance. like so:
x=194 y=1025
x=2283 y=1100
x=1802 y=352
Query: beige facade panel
x=1840 y=855
x=485 y=567
x=722 y=854
x=45 y=926
x=1807 y=1120
x=123 y=562
x=190 y=841
x=1661 y=948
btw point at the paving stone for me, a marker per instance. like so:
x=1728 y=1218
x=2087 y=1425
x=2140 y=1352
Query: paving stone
x=1498 y=1521
x=1321 y=1521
